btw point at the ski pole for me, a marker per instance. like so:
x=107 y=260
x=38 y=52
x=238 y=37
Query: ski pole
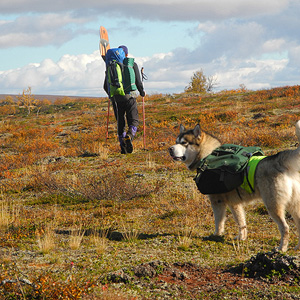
x=107 y=120
x=144 y=76
x=144 y=125
x=103 y=47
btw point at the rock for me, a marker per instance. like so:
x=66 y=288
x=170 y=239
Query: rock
x=118 y=277
x=268 y=265
x=150 y=269
x=49 y=160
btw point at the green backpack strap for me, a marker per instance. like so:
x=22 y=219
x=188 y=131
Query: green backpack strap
x=115 y=79
x=248 y=183
x=129 y=75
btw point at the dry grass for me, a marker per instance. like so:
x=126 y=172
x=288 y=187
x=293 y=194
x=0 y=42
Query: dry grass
x=130 y=232
x=46 y=240
x=100 y=243
x=5 y=215
x=76 y=238
x=150 y=162
x=101 y=150
x=185 y=236
x=87 y=210
x=9 y=212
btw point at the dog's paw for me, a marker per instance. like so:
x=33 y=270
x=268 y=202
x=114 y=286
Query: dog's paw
x=240 y=237
x=280 y=249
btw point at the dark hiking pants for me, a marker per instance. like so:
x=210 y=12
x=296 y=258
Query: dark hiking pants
x=125 y=109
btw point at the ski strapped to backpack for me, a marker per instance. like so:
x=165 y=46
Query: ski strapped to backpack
x=104 y=42
x=120 y=72
x=225 y=169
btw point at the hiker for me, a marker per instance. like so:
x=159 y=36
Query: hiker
x=125 y=109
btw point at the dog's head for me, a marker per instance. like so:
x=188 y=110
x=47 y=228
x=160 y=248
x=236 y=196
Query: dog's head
x=193 y=145
x=187 y=146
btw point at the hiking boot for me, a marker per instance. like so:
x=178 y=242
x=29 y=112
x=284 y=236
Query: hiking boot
x=128 y=143
x=123 y=148
x=122 y=143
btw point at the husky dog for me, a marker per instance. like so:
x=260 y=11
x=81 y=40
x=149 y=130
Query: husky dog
x=277 y=183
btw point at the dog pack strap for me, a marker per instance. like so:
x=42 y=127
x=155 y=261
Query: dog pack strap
x=246 y=154
x=201 y=167
x=248 y=183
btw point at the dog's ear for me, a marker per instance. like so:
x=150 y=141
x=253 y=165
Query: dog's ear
x=181 y=128
x=197 y=130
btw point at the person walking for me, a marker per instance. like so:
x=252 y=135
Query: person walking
x=125 y=109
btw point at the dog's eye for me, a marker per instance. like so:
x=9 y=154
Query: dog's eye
x=183 y=143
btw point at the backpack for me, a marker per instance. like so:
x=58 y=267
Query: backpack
x=223 y=170
x=129 y=75
x=114 y=68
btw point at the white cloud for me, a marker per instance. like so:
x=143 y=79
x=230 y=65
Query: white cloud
x=236 y=40
x=84 y=74
x=71 y=74
x=255 y=74
x=40 y=30
x=153 y=10
x=207 y=27
x=273 y=45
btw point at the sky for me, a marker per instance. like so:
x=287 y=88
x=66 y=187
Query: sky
x=53 y=46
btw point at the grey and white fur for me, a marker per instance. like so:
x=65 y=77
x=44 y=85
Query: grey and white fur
x=277 y=183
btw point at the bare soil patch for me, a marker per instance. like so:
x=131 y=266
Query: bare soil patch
x=264 y=276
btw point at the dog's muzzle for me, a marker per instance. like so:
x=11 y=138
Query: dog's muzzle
x=177 y=158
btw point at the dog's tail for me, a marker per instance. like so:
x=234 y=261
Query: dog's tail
x=298 y=131
x=291 y=158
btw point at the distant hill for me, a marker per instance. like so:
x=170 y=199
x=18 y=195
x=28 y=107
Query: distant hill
x=51 y=98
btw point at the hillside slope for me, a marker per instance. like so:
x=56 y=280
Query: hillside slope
x=78 y=220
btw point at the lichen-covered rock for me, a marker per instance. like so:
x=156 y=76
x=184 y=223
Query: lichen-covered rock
x=269 y=265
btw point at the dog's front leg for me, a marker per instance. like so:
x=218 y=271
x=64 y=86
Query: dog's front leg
x=219 y=209
x=240 y=218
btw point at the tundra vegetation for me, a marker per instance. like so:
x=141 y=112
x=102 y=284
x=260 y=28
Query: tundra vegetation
x=78 y=220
